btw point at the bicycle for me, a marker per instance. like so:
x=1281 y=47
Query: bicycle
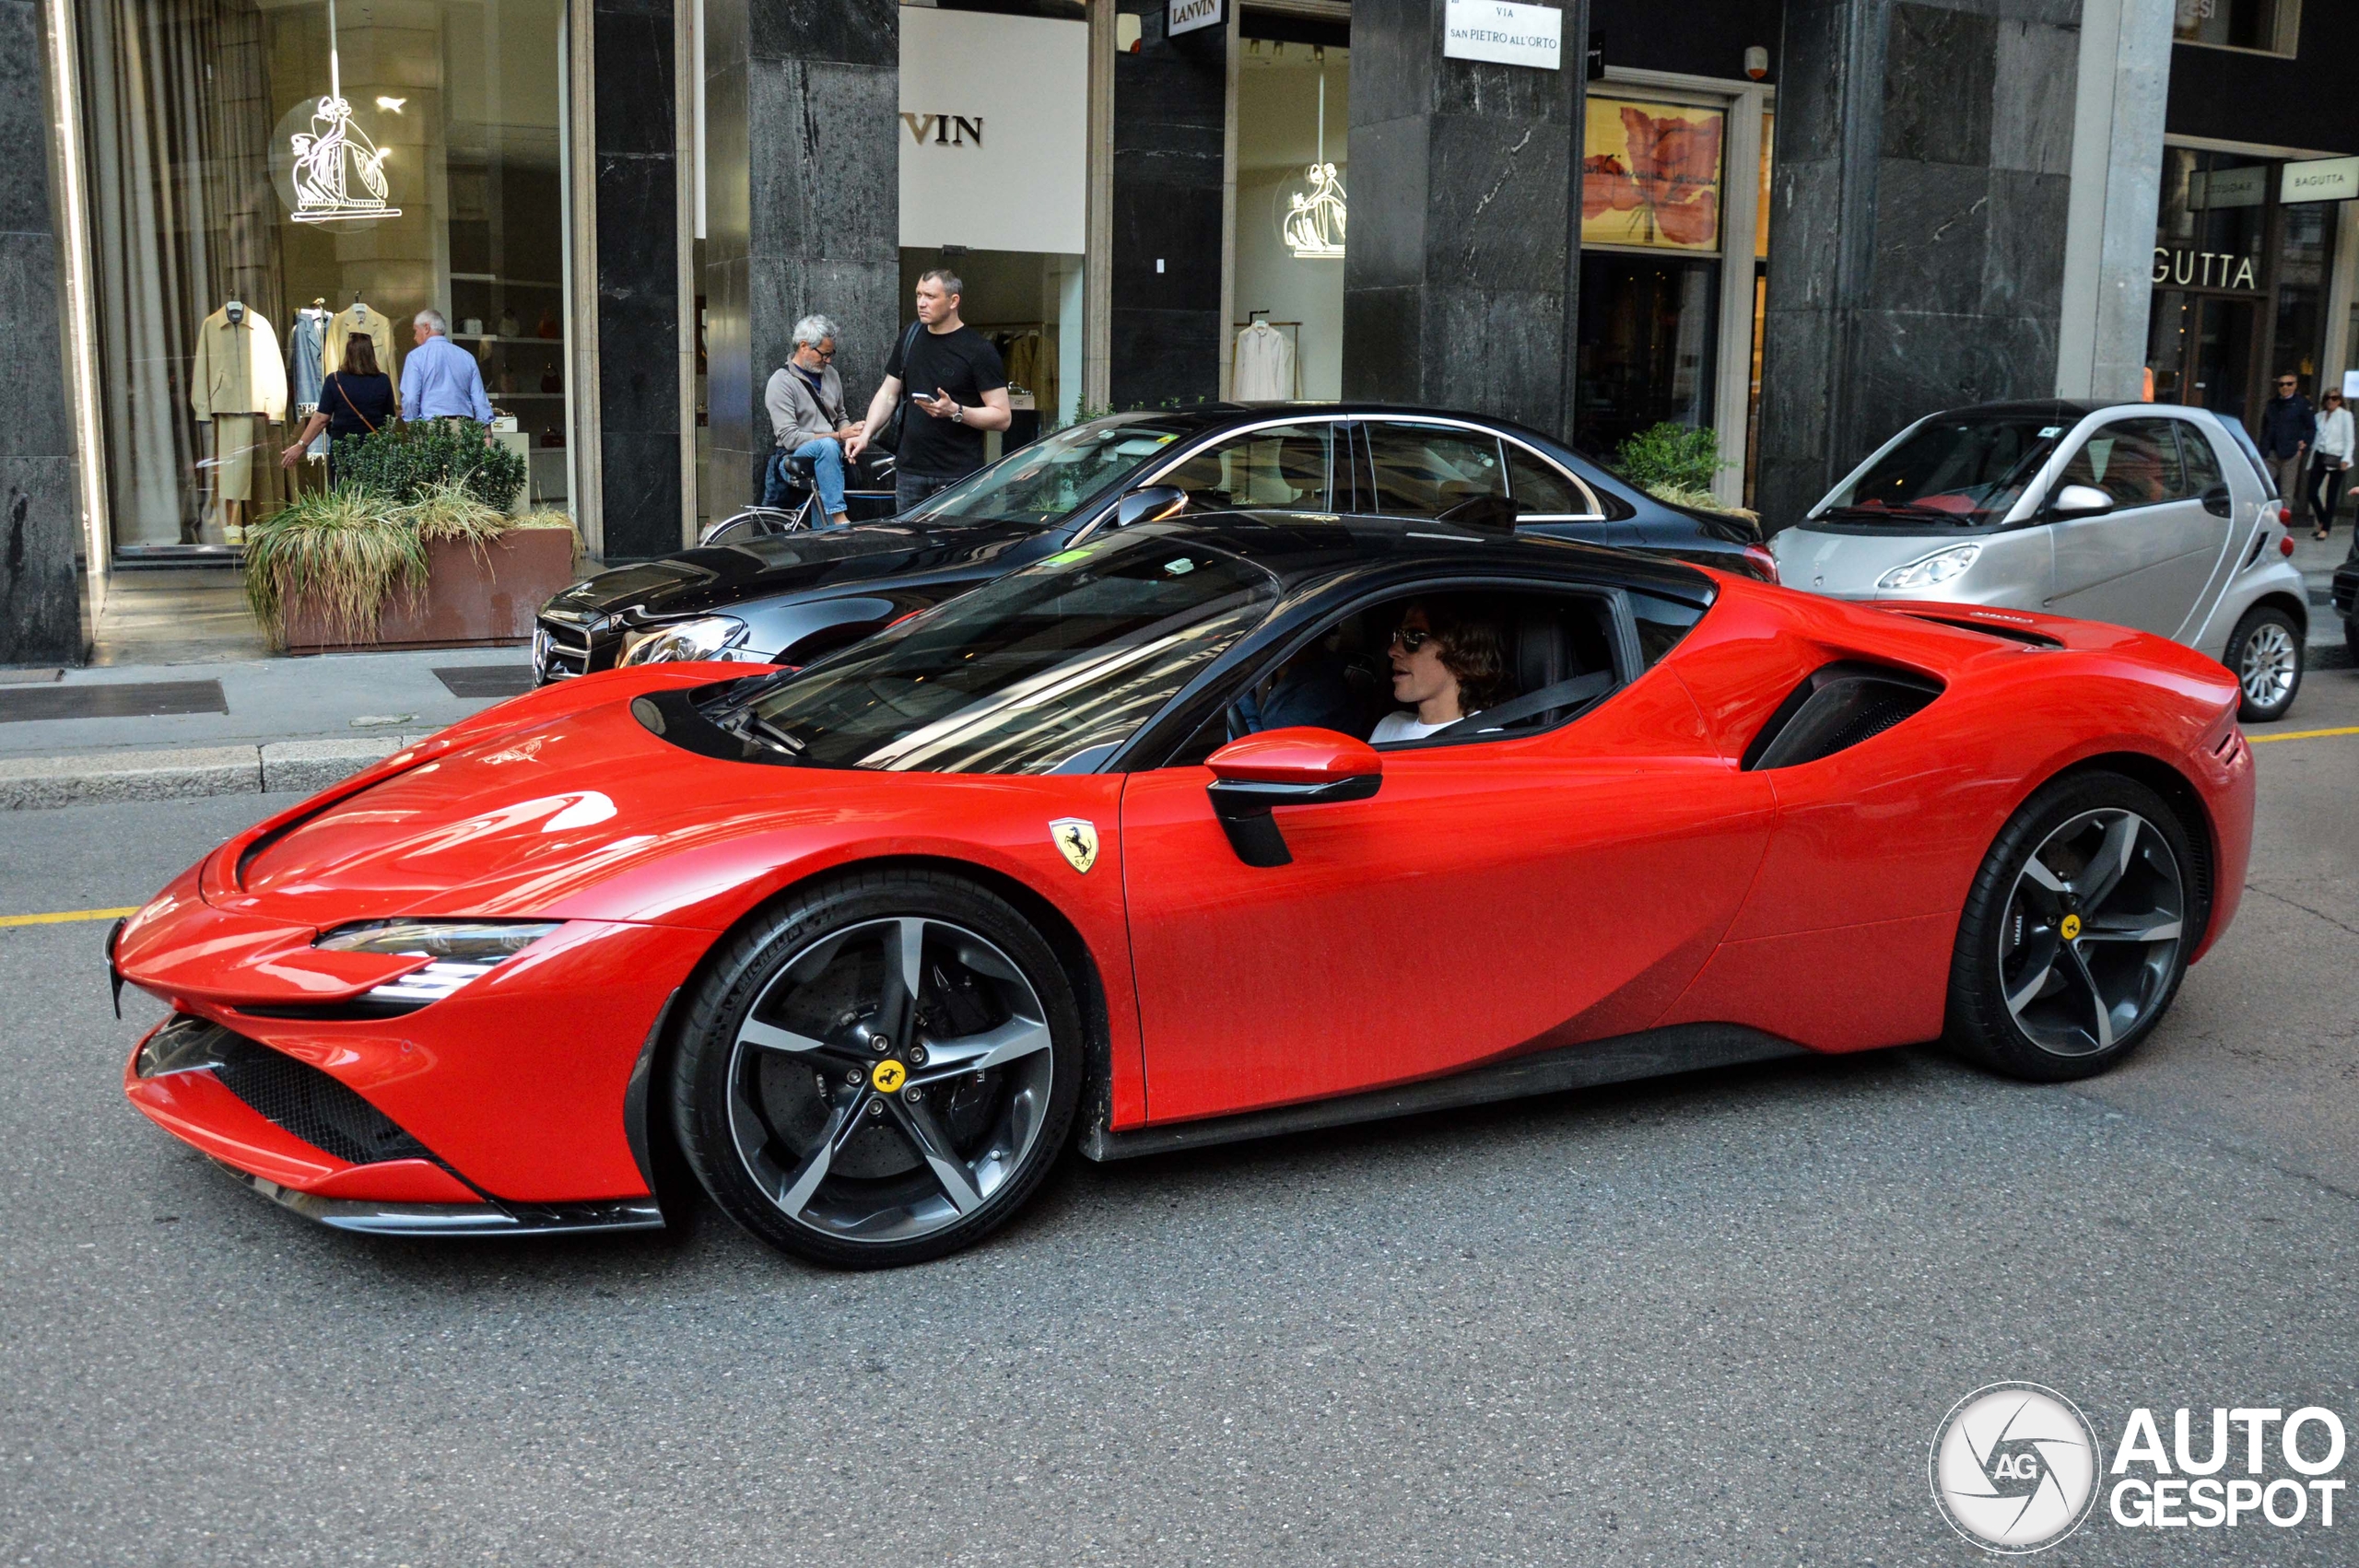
x=805 y=515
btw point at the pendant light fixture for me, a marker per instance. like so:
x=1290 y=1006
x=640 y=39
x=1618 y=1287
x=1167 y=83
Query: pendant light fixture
x=339 y=172
x=1313 y=226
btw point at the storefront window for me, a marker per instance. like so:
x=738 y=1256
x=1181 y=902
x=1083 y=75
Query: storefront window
x=1293 y=114
x=271 y=181
x=2240 y=282
x=2270 y=25
x=1650 y=267
x=1760 y=312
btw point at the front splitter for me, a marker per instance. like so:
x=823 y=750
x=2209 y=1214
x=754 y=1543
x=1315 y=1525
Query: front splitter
x=488 y=1219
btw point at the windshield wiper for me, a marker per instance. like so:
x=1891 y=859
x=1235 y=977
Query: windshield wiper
x=1906 y=508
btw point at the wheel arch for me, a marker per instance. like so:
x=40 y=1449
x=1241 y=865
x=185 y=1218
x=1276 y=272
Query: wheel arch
x=648 y=1126
x=2279 y=598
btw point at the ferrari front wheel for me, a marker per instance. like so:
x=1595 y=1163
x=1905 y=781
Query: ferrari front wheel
x=880 y=1070
x=2077 y=931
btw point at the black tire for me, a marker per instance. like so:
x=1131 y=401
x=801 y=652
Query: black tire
x=2107 y=979
x=2265 y=655
x=787 y=1043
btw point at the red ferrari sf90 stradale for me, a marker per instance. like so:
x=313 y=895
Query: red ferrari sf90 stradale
x=1103 y=850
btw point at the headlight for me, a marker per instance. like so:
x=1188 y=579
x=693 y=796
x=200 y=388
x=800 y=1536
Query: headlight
x=708 y=636
x=461 y=950
x=1937 y=568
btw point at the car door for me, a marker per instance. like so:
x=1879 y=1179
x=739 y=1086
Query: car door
x=2208 y=476
x=2145 y=563
x=1493 y=896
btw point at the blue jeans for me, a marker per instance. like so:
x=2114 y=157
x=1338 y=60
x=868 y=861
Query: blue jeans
x=827 y=457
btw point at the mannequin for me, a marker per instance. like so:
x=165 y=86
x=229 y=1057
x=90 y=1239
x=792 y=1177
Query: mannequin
x=238 y=381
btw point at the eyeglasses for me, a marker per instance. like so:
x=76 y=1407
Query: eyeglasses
x=825 y=354
x=2289 y=381
x=1408 y=639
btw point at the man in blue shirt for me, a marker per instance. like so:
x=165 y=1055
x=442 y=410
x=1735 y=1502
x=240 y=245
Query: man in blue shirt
x=440 y=380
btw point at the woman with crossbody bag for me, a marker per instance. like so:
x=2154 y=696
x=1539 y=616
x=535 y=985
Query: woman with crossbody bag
x=354 y=400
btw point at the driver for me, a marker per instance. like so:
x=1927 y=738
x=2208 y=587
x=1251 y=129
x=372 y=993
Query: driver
x=1446 y=666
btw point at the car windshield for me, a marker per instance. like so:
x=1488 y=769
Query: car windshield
x=1040 y=483
x=1046 y=669
x=1955 y=470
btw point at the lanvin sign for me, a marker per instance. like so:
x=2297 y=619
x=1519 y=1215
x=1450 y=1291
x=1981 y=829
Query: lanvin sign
x=2177 y=268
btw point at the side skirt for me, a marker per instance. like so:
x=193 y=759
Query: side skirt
x=1652 y=1053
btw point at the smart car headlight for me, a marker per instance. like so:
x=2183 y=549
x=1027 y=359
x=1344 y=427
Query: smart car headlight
x=459 y=950
x=1928 y=570
x=707 y=637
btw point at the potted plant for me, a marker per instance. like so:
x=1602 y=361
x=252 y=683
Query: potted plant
x=408 y=550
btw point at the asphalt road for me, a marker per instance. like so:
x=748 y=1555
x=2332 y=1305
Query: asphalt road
x=1713 y=1320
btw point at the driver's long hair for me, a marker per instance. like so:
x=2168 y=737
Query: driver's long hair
x=1470 y=650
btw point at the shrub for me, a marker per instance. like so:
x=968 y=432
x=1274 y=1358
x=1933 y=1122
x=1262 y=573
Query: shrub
x=1673 y=463
x=406 y=459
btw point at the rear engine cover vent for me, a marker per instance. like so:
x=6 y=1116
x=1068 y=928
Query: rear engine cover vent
x=1835 y=708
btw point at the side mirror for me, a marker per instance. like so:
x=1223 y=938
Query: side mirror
x=1152 y=504
x=2079 y=501
x=1300 y=767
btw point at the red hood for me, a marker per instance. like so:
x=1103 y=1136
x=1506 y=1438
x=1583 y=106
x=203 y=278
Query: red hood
x=578 y=813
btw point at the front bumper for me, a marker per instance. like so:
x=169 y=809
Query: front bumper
x=376 y=1218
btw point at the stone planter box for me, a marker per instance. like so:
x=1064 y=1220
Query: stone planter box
x=472 y=599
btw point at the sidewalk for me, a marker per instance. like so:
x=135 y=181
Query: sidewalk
x=154 y=732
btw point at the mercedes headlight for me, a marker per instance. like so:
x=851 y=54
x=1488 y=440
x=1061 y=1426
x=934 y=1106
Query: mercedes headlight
x=1930 y=570
x=707 y=637
x=460 y=951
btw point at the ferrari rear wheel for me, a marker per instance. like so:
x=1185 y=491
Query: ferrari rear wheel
x=880 y=1071
x=2077 y=931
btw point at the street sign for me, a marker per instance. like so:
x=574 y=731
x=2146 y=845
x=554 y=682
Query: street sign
x=2320 y=179
x=1505 y=33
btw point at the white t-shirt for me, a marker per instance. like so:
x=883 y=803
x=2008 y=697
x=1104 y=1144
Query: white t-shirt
x=1404 y=727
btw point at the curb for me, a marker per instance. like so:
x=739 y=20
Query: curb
x=191 y=773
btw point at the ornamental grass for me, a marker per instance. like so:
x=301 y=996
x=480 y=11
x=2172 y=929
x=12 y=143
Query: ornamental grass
x=347 y=549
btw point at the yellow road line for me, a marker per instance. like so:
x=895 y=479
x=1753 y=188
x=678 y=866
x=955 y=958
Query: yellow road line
x=2302 y=734
x=63 y=916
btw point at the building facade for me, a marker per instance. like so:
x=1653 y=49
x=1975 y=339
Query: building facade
x=1795 y=223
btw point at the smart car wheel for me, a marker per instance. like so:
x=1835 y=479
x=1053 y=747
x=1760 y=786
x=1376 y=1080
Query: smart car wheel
x=2077 y=930
x=879 y=1072
x=2266 y=654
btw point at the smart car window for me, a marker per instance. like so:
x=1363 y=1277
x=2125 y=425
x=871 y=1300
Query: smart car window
x=1040 y=483
x=2134 y=460
x=1957 y=472
x=2198 y=458
x=1022 y=675
x=1282 y=468
x=1433 y=471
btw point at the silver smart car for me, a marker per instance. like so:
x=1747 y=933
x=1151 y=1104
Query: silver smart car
x=2147 y=515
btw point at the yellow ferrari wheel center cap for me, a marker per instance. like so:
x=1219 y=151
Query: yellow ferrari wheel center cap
x=2069 y=928
x=888 y=1076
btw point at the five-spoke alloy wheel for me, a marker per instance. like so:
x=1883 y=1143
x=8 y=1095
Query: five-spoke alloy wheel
x=2077 y=931
x=880 y=1071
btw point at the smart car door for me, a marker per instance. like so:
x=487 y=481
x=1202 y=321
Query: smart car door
x=1493 y=897
x=2207 y=475
x=2145 y=563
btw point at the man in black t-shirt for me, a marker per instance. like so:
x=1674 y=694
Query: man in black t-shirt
x=956 y=390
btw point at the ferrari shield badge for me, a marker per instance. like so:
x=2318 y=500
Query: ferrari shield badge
x=1076 y=840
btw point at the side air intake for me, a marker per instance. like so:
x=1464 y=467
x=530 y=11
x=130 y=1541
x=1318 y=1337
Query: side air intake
x=1835 y=708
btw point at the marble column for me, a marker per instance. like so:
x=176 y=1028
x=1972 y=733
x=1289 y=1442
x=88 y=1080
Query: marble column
x=802 y=206
x=639 y=332
x=1461 y=270
x=1922 y=199
x=1170 y=111
x=41 y=606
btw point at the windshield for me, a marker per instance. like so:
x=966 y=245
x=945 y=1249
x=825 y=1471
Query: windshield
x=1951 y=472
x=1046 y=669
x=1042 y=481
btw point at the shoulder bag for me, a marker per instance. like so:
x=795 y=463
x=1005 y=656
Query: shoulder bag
x=889 y=437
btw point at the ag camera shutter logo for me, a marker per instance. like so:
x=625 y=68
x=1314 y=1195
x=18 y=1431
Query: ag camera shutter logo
x=2014 y=1467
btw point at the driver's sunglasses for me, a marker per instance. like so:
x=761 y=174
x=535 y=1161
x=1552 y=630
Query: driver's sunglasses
x=1408 y=640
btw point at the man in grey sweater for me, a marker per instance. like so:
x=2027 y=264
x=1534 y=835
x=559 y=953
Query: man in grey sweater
x=806 y=399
